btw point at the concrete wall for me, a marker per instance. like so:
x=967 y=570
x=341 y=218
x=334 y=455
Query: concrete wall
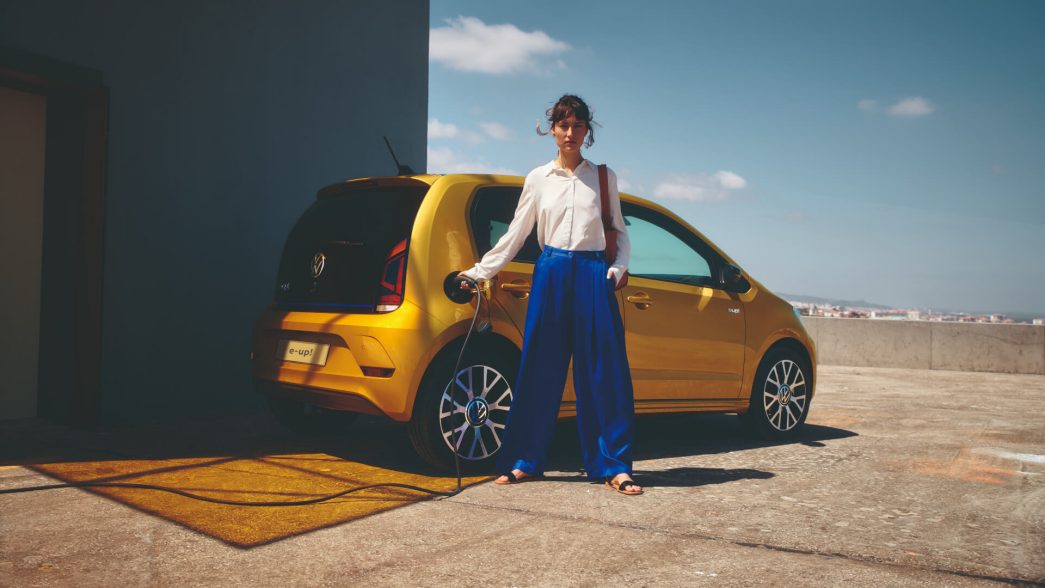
x=1017 y=349
x=225 y=117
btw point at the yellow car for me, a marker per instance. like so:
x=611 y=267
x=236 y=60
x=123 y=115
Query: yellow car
x=360 y=321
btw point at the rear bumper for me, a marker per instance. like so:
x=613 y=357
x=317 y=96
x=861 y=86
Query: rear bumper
x=373 y=365
x=331 y=399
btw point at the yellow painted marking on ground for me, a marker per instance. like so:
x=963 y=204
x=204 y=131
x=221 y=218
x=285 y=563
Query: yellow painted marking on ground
x=967 y=466
x=264 y=478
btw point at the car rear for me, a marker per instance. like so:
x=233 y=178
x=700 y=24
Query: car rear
x=340 y=329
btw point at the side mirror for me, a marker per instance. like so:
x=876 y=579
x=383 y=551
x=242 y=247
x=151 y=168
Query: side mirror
x=731 y=279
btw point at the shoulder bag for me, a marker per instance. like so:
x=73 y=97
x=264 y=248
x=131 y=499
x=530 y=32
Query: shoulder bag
x=607 y=224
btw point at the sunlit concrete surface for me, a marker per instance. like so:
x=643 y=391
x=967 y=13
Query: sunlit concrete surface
x=904 y=477
x=233 y=460
x=263 y=478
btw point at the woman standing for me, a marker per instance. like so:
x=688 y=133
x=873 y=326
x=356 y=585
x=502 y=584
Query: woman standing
x=572 y=310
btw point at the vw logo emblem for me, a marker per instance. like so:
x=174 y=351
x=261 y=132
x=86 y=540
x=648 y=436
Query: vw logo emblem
x=319 y=261
x=477 y=411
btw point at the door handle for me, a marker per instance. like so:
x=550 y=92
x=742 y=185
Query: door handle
x=641 y=300
x=519 y=289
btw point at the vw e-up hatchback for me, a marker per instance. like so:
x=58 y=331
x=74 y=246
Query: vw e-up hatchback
x=360 y=322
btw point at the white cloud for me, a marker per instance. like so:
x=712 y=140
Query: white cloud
x=729 y=180
x=867 y=105
x=441 y=130
x=496 y=130
x=443 y=160
x=469 y=44
x=716 y=187
x=473 y=137
x=912 y=107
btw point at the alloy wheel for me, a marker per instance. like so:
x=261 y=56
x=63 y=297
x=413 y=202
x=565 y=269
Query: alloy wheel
x=473 y=412
x=784 y=395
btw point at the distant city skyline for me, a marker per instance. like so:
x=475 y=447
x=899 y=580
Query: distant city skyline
x=803 y=300
x=886 y=151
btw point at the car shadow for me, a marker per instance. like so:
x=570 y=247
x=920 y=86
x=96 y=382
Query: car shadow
x=252 y=457
x=369 y=440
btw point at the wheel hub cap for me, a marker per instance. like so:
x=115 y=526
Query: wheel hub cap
x=785 y=394
x=477 y=411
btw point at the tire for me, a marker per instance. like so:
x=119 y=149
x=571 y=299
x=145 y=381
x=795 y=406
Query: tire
x=306 y=419
x=780 y=395
x=476 y=424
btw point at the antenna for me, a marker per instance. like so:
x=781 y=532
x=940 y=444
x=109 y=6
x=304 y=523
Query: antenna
x=403 y=170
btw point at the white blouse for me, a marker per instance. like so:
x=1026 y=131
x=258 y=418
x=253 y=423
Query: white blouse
x=568 y=213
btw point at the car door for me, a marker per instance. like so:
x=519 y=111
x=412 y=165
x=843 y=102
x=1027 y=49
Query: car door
x=685 y=337
x=492 y=210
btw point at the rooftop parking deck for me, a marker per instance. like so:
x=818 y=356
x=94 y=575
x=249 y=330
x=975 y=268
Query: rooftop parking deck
x=902 y=477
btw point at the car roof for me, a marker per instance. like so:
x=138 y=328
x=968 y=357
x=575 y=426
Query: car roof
x=421 y=180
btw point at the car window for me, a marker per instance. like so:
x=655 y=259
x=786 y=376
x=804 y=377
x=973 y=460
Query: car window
x=492 y=211
x=662 y=249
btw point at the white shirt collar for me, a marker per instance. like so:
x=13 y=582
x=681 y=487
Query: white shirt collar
x=553 y=166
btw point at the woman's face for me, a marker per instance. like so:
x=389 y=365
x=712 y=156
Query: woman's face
x=569 y=134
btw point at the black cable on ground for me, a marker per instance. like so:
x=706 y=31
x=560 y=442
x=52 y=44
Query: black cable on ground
x=222 y=501
x=310 y=501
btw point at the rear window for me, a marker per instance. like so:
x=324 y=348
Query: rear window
x=336 y=253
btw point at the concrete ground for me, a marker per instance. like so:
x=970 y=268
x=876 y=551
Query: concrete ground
x=902 y=477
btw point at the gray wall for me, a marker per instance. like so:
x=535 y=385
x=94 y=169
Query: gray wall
x=225 y=117
x=1016 y=349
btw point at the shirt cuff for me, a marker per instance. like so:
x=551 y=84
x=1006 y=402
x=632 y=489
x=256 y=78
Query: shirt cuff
x=474 y=273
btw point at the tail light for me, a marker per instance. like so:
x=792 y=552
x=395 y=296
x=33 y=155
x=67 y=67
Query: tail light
x=393 y=276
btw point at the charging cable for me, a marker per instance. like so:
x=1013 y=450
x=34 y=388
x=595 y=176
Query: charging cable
x=457 y=280
x=454 y=281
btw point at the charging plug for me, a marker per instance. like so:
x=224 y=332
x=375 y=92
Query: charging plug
x=453 y=290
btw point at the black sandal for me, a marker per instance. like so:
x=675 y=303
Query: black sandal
x=513 y=479
x=623 y=487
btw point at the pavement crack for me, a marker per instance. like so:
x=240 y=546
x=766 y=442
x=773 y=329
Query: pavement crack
x=758 y=545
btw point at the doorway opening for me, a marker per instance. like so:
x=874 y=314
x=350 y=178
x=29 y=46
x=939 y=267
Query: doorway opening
x=52 y=223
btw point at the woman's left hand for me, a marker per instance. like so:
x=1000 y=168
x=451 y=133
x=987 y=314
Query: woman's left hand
x=615 y=273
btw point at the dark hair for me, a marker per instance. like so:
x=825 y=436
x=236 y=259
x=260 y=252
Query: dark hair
x=570 y=105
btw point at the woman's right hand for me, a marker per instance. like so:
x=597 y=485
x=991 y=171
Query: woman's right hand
x=464 y=284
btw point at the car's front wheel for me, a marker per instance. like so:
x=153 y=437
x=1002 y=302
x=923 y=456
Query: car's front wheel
x=780 y=395
x=467 y=414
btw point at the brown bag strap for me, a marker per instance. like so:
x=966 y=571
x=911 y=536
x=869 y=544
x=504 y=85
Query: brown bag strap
x=604 y=197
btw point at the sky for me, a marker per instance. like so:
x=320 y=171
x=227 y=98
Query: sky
x=892 y=152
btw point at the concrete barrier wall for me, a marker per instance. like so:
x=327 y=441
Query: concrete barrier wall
x=1014 y=349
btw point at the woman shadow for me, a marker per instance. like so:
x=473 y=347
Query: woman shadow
x=684 y=435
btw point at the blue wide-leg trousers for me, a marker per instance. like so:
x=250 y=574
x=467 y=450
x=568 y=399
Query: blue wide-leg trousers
x=572 y=310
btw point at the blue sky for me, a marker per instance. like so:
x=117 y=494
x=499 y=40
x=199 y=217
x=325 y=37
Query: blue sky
x=887 y=151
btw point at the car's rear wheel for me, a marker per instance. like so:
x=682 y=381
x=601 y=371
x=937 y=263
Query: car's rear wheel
x=306 y=419
x=780 y=395
x=469 y=413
